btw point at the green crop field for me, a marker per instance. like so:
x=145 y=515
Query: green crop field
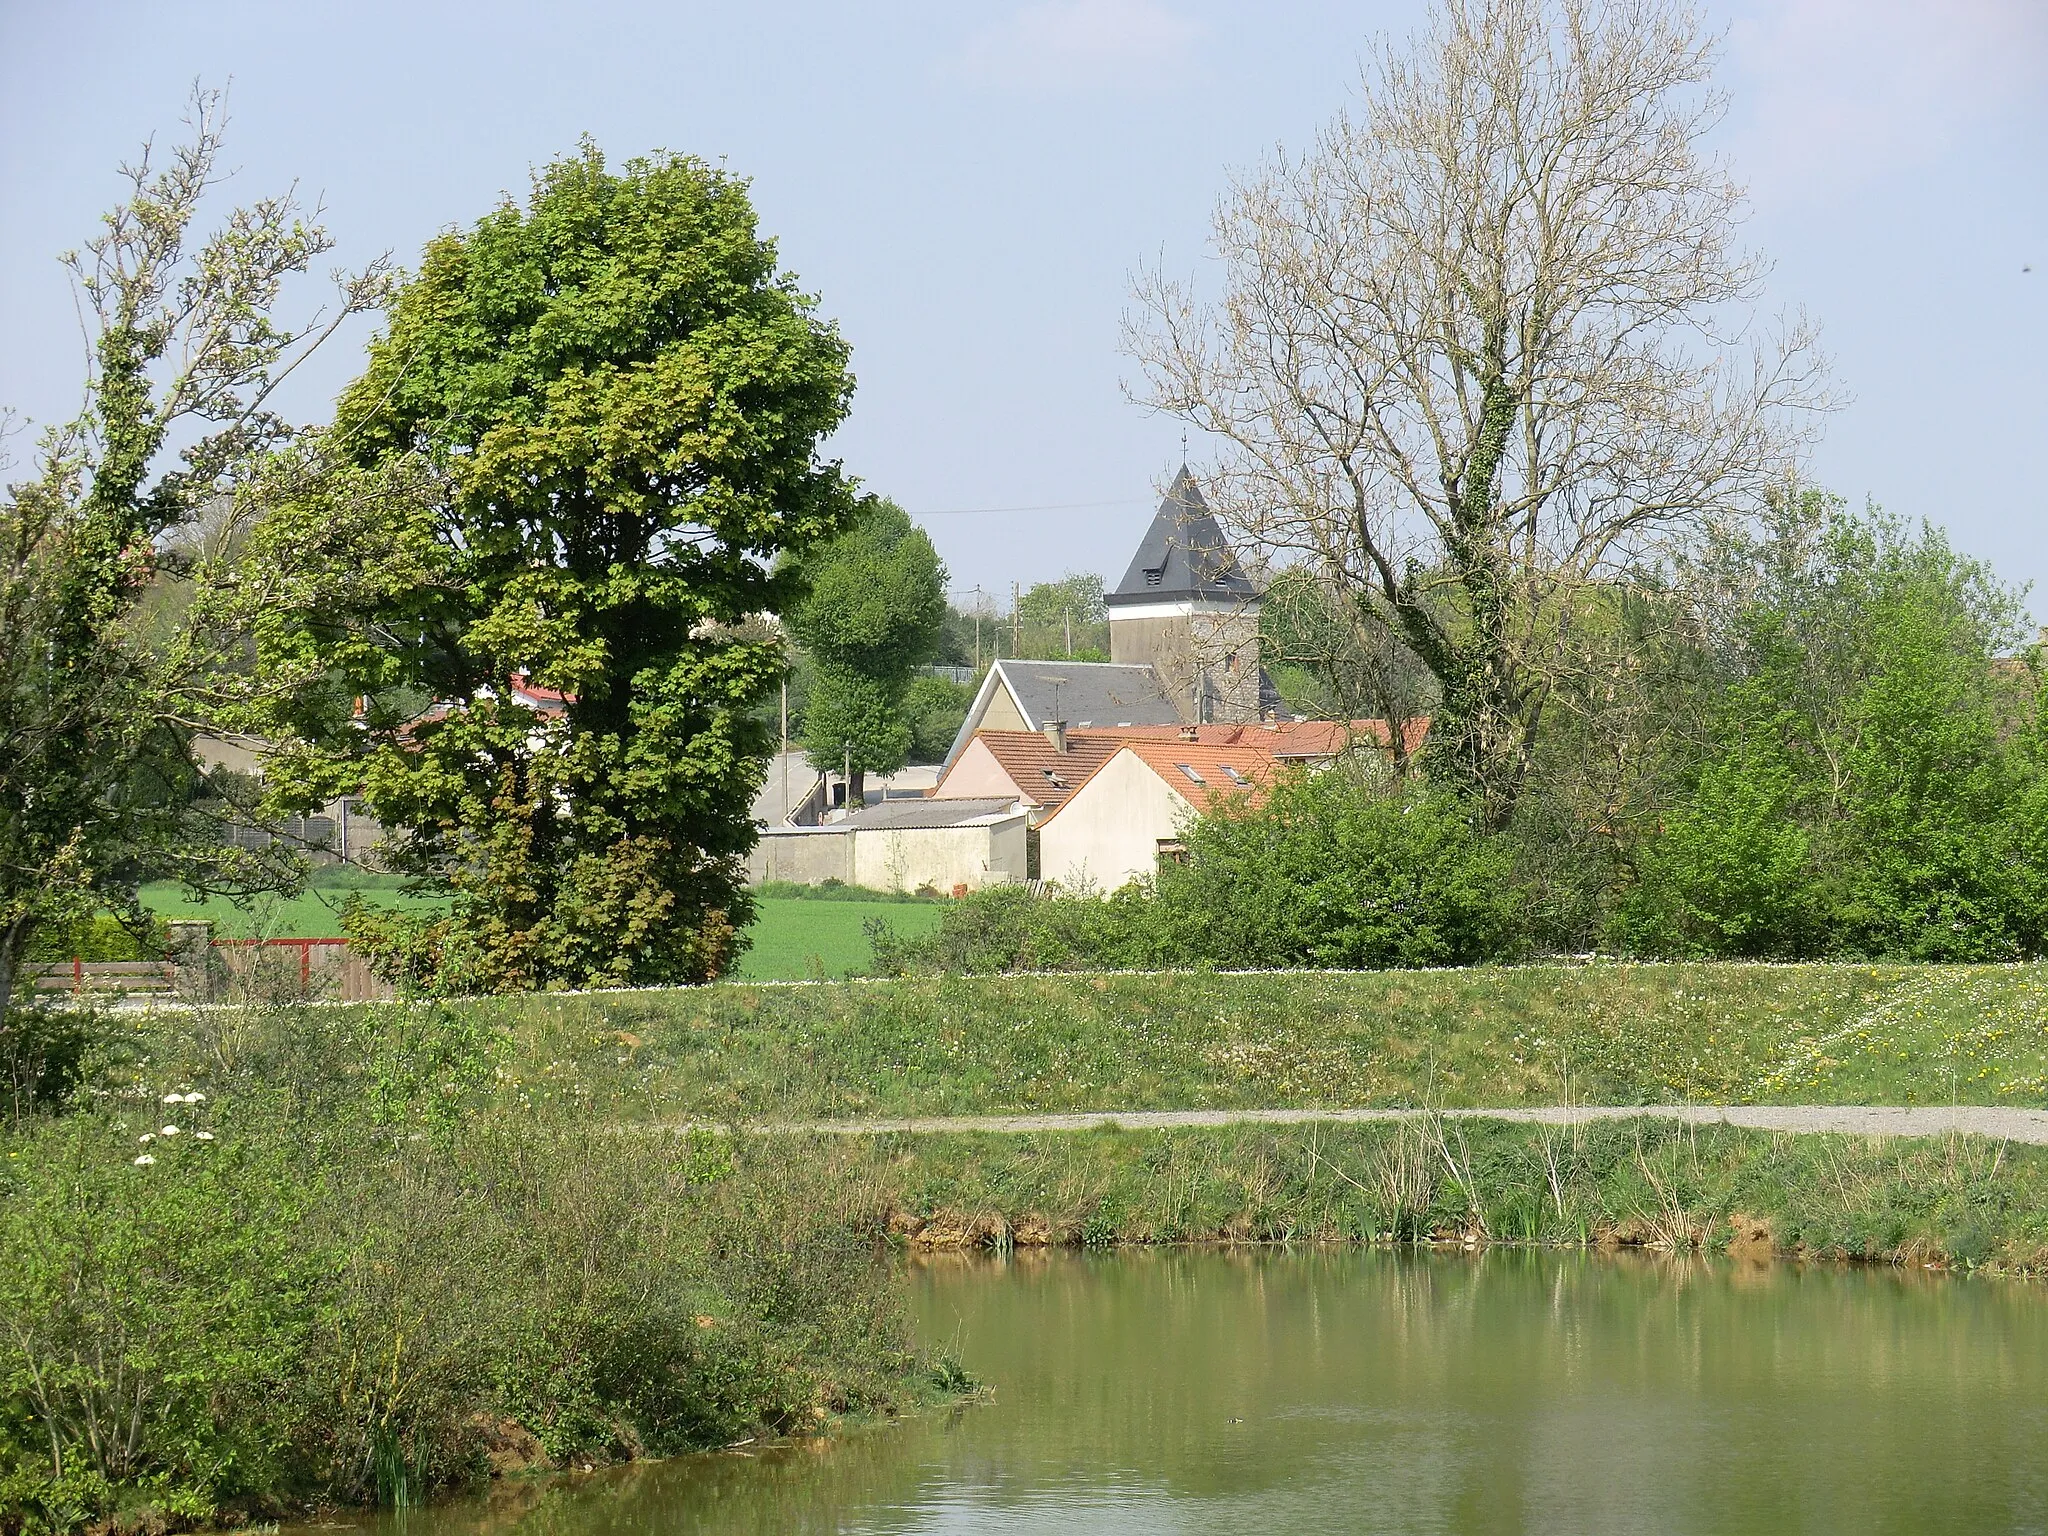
x=794 y=938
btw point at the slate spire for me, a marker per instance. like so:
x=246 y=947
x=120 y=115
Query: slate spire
x=1183 y=555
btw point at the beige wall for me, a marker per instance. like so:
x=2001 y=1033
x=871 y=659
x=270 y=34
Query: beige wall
x=802 y=855
x=893 y=860
x=1002 y=713
x=976 y=775
x=1186 y=648
x=940 y=857
x=1109 y=833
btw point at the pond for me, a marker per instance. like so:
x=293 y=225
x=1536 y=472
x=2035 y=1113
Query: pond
x=1327 y=1391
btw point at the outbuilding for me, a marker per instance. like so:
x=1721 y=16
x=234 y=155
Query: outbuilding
x=901 y=845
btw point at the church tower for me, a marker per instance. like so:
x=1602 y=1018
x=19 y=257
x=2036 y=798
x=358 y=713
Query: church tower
x=1186 y=609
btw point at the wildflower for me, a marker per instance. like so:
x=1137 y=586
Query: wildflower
x=147 y=1136
x=174 y=1098
x=169 y=1130
x=145 y=1161
x=195 y=1098
x=202 y=1135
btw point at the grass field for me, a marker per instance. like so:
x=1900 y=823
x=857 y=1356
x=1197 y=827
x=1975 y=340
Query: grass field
x=798 y=938
x=1603 y=1033
x=794 y=938
x=312 y=914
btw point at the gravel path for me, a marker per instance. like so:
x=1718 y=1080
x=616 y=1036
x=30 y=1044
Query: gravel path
x=2023 y=1125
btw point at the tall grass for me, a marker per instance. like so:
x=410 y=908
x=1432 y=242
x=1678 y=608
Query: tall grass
x=295 y=1258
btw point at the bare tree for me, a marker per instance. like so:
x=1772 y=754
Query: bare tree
x=187 y=347
x=1485 y=344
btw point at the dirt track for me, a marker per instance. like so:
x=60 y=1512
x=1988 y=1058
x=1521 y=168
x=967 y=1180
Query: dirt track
x=2022 y=1125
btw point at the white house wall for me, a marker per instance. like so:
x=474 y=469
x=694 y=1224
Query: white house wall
x=1109 y=832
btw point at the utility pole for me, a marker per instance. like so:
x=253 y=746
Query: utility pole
x=784 y=758
x=1016 y=622
x=847 y=773
x=1070 y=634
x=979 y=598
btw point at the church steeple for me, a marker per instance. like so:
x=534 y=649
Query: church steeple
x=1187 y=610
x=1184 y=556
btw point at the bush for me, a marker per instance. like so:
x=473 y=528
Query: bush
x=364 y=1261
x=1336 y=870
x=1008 y=928
x=1870 y=780
x=1332 y=870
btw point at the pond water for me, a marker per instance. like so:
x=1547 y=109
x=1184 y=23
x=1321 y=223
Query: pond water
x=1283 y=1392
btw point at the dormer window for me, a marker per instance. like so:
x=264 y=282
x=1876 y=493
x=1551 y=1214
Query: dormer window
x=1154 y=574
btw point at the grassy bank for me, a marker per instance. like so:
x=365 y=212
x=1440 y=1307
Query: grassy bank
x=1957 y=1201
x=262 y=1262
x=1618 y=1034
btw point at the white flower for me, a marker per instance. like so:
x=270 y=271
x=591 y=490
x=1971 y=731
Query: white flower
x=144 y=1161
x=195 y=1098
x=174 y=1098
x=202 y=1135
x=169 y=1130
x=147 y=1136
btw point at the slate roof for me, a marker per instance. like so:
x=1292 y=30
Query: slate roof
x=1101 y=694
x=1184 y=555
x=904 y=815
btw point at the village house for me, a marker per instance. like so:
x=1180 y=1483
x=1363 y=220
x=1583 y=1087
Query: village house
x=1183 y=643
x=1084 y=773
x=1128 y=814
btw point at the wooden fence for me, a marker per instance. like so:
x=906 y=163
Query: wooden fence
x=226 y=971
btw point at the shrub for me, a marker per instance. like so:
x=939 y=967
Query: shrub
x=1332 y=870
x=1337 y=870
x=364 y=1251
x=1008 y=928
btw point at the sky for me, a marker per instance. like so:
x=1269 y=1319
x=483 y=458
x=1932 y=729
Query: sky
x=968 y=190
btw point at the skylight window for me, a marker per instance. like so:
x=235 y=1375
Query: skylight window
x=1234 y=776
x=1054 y=779
x=1194 y=776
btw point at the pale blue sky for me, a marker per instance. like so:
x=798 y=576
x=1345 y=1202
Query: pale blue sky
x=968 y=188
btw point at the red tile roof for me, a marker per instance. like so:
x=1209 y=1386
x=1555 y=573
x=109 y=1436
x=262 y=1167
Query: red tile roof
x=1042 y=776
x=1285 y=738
x=1201 y=773
x=1046 y=778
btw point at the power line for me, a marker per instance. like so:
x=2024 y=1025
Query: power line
x=1062 y=506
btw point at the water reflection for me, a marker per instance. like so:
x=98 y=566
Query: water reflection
x=1334 y=1391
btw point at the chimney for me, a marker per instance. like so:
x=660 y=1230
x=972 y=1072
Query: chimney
x=1190 y=733
x=1056 y=733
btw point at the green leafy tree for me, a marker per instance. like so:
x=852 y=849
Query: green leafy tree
x=580 y=450
x=1863 y=772
x=1061 y=619
x=936 y=708
x=102 y=689
x=874 y=613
